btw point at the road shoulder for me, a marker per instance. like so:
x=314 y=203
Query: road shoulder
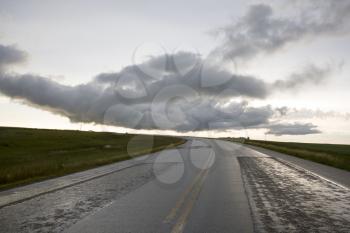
x=27 y=192
x=336 y=175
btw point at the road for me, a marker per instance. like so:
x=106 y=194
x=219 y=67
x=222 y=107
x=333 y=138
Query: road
x=201 y=186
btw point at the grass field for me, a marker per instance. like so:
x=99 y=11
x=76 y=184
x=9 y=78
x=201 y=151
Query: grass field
x=29 y=155
x=330 y=154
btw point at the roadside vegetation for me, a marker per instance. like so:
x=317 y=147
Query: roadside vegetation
x=29 y=155
x=330 y=154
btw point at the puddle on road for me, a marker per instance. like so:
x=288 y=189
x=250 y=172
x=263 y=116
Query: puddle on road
x=286 y=199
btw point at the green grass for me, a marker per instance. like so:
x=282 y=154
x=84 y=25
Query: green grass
x=29 y=155
x=330 y=154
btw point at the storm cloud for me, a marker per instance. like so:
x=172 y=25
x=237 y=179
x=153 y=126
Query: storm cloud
x=10 y=55
x=147 y=79
x=310 y=74
x=183 y=91
x=167 y=98
x=292 y=129
x=304 y=113
x=263 y=30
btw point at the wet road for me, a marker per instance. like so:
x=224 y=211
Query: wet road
x=202 y=186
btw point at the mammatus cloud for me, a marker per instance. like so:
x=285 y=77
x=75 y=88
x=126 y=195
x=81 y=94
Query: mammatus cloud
x=292 y=129
x=262 y=30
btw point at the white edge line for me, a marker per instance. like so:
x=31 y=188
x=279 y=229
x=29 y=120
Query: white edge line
x=310 y=172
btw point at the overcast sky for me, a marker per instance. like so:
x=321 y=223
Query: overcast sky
x=270 y=69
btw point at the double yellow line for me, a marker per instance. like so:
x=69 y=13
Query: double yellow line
x=190 y=195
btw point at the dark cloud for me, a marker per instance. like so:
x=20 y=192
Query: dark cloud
x=180 y=92
x=184 y=69
x=304 y=113
x=282 y=111
x=150 y=96
x=10 y=55
x=292 y=129
x=311 y=74
x=262 y=30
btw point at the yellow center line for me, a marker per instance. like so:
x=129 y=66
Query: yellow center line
x=192 y=191
x=182 y=199
x=180 y=224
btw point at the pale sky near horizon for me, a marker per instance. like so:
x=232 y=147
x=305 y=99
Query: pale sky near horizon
x=72 y=42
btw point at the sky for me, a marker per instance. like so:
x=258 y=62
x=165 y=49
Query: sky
x=275 y=70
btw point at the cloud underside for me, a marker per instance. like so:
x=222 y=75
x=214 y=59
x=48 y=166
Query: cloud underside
x=10 y=55
x=152 y=96
x=262 y=30
x=292 y=129
x=185 y=92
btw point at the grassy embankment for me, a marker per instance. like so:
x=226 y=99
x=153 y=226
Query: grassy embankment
x=29 y=155
x=330 y=154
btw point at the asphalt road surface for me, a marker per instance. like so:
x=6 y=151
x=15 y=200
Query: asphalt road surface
x=201 y=186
